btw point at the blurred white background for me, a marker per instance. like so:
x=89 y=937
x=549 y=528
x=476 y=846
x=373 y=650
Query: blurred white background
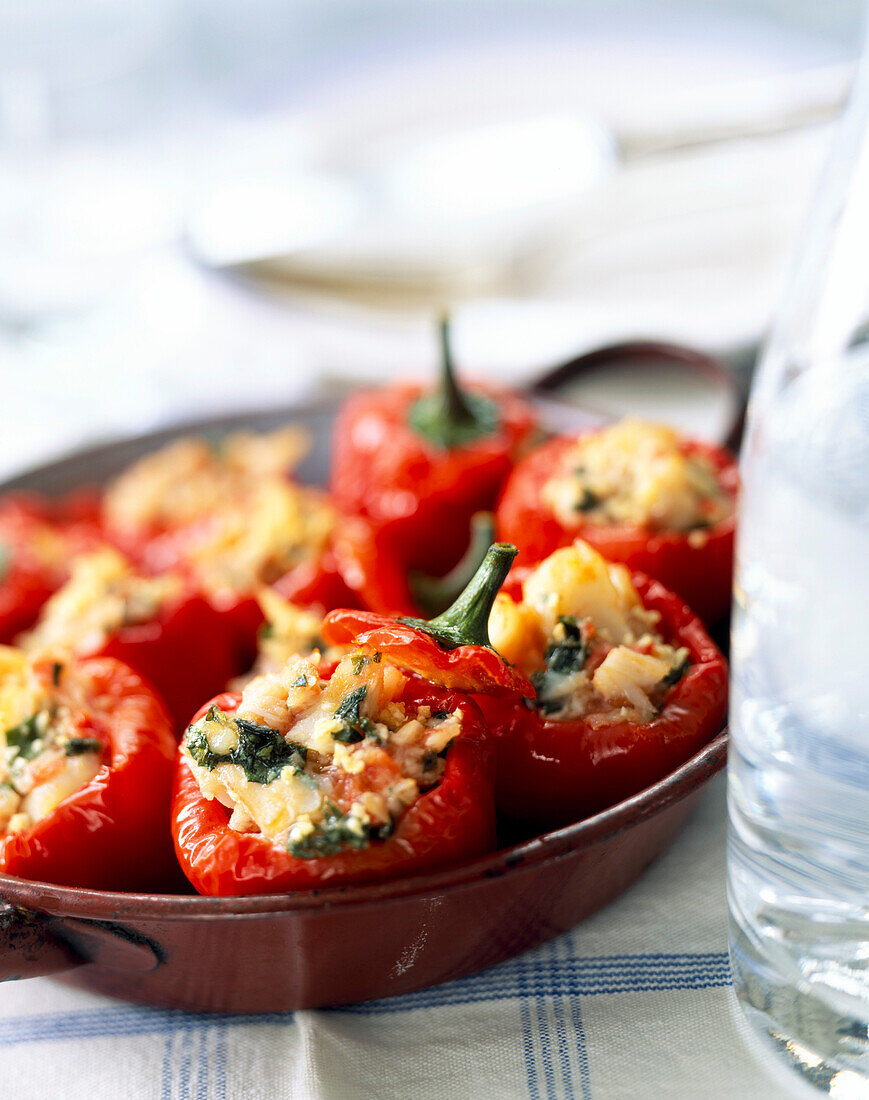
x=211 y=204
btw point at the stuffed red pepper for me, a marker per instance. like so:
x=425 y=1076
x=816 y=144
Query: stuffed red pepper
x=322 y=775
x=38 y=538
x=640 y=494
x=85 y=775
x=159 y=626
x=628 y=686
x=419 y=463
x=230 y=516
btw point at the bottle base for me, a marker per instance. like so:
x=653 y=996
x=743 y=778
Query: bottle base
x=826 y=1050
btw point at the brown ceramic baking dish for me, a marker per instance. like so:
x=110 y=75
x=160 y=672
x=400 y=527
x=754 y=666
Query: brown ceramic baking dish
x=337 y=946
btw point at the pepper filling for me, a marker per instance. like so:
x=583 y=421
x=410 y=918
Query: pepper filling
x=49 y=748
x=242 y=522
x=188 y=480
x=103 y=594
x=319 y=765
x=288 y=632
x=639 y=474
x=589 y=645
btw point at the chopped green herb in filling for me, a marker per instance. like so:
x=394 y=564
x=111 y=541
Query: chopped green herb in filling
x=333 y=834
x=261 y=753
x=77 y=746
x=587 y=501
x=356 y=726
x=674 y=675
x=26 y=740
x=566 y=654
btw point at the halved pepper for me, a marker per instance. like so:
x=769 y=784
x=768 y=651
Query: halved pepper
x=695 y=562
x=560 y=759
x=294 y=785
x=231 y=517
x=417 y=464
x=160 y=626
x=110 y=831
x=38 y=537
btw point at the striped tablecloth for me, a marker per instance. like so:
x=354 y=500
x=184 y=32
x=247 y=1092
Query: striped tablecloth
x=634 y=1003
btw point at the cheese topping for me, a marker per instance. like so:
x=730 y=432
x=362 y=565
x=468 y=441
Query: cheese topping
x=584 y=637
x=639 y=474
x=289 y=631
x=47 y=748
x=39 y=541
x=102 y=595
x=258 y=538
x=189 y=480
x=239 y=521
x=321 y=765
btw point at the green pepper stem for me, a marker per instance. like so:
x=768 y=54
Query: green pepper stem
x=433 y=594
x=455 y=405
x=448 y=416
x=466 y=621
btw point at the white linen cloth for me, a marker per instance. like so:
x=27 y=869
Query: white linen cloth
x=633 y=1004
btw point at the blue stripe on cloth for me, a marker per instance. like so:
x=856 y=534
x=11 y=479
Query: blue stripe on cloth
x=103 y=1023
x=545 y=1047
x=581 y=1049
x=562 y=948
x=528 y=1050
x=166 y=1075
x=532 y=976
x=561 y=1040
x=202 y=1064
x=222 y=1060
x=524 y=977
x=187 y=1039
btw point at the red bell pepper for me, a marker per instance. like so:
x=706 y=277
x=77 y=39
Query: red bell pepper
x=112 y=833
x=555 y=772
x=186 y=652
x=452 y=650
x=316 y=582
x=204 y=502
x=452 y=821
x=38 y=537
x=370 y=569
x=319 y=584
x=698 y=566
x=419 y=464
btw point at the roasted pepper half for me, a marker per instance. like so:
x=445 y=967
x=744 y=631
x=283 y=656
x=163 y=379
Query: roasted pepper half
x=628 y=685
x=38 y=538
x=323 y=775
x=159 y=626
x=85 y=775
x=232 y=519
x=638 y=493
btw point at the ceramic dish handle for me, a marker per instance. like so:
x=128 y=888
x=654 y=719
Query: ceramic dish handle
x=33 y=945
x=655 y=354
x=27 y=947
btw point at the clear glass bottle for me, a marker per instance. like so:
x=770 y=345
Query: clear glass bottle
x=798 y=857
